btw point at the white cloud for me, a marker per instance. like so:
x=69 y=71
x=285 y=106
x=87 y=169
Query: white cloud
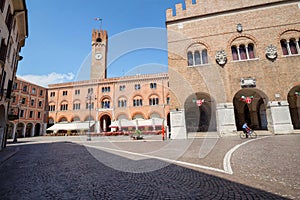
x=45 y=80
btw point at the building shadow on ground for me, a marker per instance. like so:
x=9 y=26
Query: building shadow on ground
x=66 y=170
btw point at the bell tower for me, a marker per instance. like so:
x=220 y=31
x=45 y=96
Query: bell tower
x=99 y=54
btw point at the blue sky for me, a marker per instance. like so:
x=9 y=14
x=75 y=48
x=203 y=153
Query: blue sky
x=59 y=39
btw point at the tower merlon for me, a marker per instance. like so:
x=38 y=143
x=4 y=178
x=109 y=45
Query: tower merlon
x=207 y=7
x=99 y=34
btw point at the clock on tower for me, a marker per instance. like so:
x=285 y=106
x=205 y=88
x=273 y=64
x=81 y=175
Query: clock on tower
x=99 y=54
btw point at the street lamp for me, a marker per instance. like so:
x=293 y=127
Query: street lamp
x=89 y=98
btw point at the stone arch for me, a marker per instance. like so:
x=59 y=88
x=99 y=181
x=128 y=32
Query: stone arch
x=105 y=122
x=20 y=130
x=89 y=117
x=250 y=106
x=122 y=116
x=37 y=129
x=246 y=37
x=200 y=118
x=29 y=129
x=10 y=130
x=105 y=101
x=293 y=98
x=138 y=115
x=197 y=42
x=285 y=34
x=154 y=115
x=63 y=119
x=75 y=118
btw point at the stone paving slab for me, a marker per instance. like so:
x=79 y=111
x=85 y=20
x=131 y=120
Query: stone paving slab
x=254 y=173
x=65 y=170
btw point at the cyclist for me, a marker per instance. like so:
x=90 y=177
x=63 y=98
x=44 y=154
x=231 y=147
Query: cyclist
x=246 y=129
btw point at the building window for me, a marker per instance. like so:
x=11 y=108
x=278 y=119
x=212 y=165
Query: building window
x=137 y=86
x=77 y=92
x=122 y=87
x=243 y=52
x=40 y=103
x=33 y=91
x=51 y=107
x=52 y=94
x=137 y=102
x=122 y=103
x=90 y=90
x=234 y=53
x=154 y=101
x=153 y=85
x=168 y=100
x=105 y=103
x=41 y=92
x=204 y=56
x=3 y=50
x=64 y=107
x=15 y=87
x=65 y=93
x=32 y=102
x=22 y=113
x=197 y=57
x=23 y=101
x=290 y=47
x=39 y=115
x=87 y=106
x=76 y=106
x=9 y=18
x=105 y=89
x=31 y=114
x=25 y=88
x=190 y=59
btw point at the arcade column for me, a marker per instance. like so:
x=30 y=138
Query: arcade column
x=225 y=118
x=279 y=119
x=178 y=124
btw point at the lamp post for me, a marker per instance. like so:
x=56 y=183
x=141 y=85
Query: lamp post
x=89 y=98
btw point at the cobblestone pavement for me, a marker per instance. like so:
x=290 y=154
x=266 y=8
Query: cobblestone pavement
x=53 y=168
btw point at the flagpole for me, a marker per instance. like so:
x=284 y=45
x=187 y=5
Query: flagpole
x=100 y=20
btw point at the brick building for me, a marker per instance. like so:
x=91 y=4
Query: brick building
x=13 y=32
x=29 y=103
x=102 y=101
x=234 y=62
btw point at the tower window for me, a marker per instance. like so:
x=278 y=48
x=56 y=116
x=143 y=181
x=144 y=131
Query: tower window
x=98 y=40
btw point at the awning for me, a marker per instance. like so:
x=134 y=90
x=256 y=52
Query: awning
x=114 y=124
x=71 y=126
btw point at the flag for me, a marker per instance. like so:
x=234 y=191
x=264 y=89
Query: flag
x=98 y=19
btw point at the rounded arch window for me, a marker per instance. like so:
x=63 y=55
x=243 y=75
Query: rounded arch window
x=197 y=55
x=98 y=39
x=105 y=103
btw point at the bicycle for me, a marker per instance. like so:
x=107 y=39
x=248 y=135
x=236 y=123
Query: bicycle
x=251 y=134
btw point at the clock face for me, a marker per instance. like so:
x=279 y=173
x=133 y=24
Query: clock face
x=98 y=56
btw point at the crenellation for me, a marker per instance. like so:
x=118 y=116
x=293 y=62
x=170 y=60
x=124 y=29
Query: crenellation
x=169 y=13
x=179 y=10
x=206 y=7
